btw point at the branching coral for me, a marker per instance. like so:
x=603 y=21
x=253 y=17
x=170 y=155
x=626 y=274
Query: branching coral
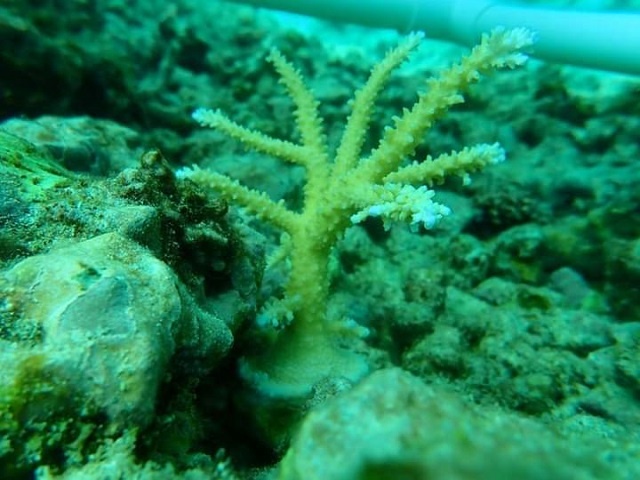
x=346 y=189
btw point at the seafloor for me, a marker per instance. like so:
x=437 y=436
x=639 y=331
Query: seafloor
x=505 y=342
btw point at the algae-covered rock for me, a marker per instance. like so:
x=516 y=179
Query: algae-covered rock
x=86 y=332
x=104 y=324
x=80 y=144
x=394 y=426
x=102 y=312
x=28 y=178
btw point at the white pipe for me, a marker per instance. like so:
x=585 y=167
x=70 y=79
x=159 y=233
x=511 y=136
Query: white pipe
x=604 y=40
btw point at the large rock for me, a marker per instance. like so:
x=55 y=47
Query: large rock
x=394 y=426
x=99 y=316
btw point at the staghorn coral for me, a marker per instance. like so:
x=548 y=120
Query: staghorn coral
x=343 y=189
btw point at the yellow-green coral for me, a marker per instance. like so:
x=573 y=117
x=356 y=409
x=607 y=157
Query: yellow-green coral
x=349 y=187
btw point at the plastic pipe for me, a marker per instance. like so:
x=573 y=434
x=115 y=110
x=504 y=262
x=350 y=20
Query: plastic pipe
x=603 y=40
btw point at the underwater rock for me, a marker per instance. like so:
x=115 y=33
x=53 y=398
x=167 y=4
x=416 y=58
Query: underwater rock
x=80 y=144
x=100 y=315
x=117 y=297
x=394 y=426
x=87 y=336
